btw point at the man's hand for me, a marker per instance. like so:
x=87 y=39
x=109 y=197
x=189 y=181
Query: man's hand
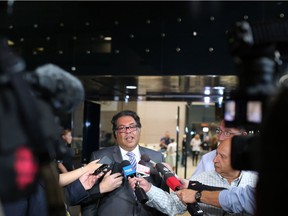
x=186 y=195
x=110 y=182
x=184 y=183
x=141 y=182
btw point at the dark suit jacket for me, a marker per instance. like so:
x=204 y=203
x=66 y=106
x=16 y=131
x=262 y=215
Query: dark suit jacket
x=121 y=201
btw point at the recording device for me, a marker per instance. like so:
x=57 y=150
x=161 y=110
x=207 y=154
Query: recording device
x=142 y=170
x=168 y=177
x=103 y=168
x=173 y=183
x=107 y=165
x=147 y=159
x=257 y=50
x=63 y=90
x=130 y=172
x=245 y=152
x=29 y=108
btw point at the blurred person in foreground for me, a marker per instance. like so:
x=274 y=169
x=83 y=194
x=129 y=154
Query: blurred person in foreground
x=81 y=178
x=113 y=195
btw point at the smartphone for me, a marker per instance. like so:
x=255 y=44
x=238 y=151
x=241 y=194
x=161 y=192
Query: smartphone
x=103 y=168
x=105 y=160
x=106 y=165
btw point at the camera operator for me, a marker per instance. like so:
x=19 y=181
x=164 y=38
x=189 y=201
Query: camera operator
x=30 y=103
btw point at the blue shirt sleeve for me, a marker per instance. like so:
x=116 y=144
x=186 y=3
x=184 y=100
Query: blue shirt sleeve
x=238 y=199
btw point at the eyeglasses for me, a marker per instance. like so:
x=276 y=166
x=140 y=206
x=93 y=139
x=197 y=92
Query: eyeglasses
x=123 y=129
x=226 y=133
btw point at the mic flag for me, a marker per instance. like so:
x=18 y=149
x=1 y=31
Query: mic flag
x=147 y=159
x=128 y=170
x=142 y=170
x=132 y=159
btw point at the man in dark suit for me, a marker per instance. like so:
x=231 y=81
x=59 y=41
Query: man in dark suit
x=112 y=199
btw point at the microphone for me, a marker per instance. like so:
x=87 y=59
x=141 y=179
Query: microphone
x=173 y=183
x=127 y=168
x=107 y=164
x=151 y=164
x=61 y=88
x=130 y=172
x=142 y=170
x=147 y=159
x=168 y=177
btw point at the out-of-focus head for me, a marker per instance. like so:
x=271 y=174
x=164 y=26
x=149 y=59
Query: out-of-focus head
x=67 y=136
x=167 y=134
x=197 y=136
x=224 y=133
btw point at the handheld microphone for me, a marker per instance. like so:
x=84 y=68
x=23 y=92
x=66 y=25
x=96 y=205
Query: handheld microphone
x=127 y=169
x=142 y=170
x=147 y=159
x=150 y=163
x=130 y=172
x=173 y=183
x=168 y=177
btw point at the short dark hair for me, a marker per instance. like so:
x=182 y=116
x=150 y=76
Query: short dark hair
x=124 y=113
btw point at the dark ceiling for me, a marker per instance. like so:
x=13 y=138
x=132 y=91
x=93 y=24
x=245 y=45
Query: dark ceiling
x=171 y=50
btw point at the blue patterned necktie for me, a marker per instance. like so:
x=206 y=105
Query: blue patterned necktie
x=132 y=159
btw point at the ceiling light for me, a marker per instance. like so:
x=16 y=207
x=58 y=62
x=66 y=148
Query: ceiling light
x=107 y=38
x=131 y=87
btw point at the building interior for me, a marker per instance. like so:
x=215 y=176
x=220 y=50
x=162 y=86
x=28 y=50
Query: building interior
x=174 y=62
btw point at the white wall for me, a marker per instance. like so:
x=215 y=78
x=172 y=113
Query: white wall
x=158 y=117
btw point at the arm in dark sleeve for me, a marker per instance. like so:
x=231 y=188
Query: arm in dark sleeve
x=75 y=193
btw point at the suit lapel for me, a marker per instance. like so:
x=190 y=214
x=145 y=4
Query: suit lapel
x=117 y=155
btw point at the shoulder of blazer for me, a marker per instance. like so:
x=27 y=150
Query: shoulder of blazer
x=153 y=154
x=101 y=152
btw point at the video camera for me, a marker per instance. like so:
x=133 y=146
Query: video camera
x=29 y=127
x=258 y=51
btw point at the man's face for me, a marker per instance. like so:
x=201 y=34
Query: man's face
x=222 y=160
x=231 y=131
x=127 y=135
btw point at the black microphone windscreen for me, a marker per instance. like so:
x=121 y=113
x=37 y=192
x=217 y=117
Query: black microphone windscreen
x=64 y=90
x=116 y=168
x=142 y=162
x=145 y=157
x=125 y=163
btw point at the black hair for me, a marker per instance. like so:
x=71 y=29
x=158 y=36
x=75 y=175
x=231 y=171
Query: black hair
x=124 y=113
